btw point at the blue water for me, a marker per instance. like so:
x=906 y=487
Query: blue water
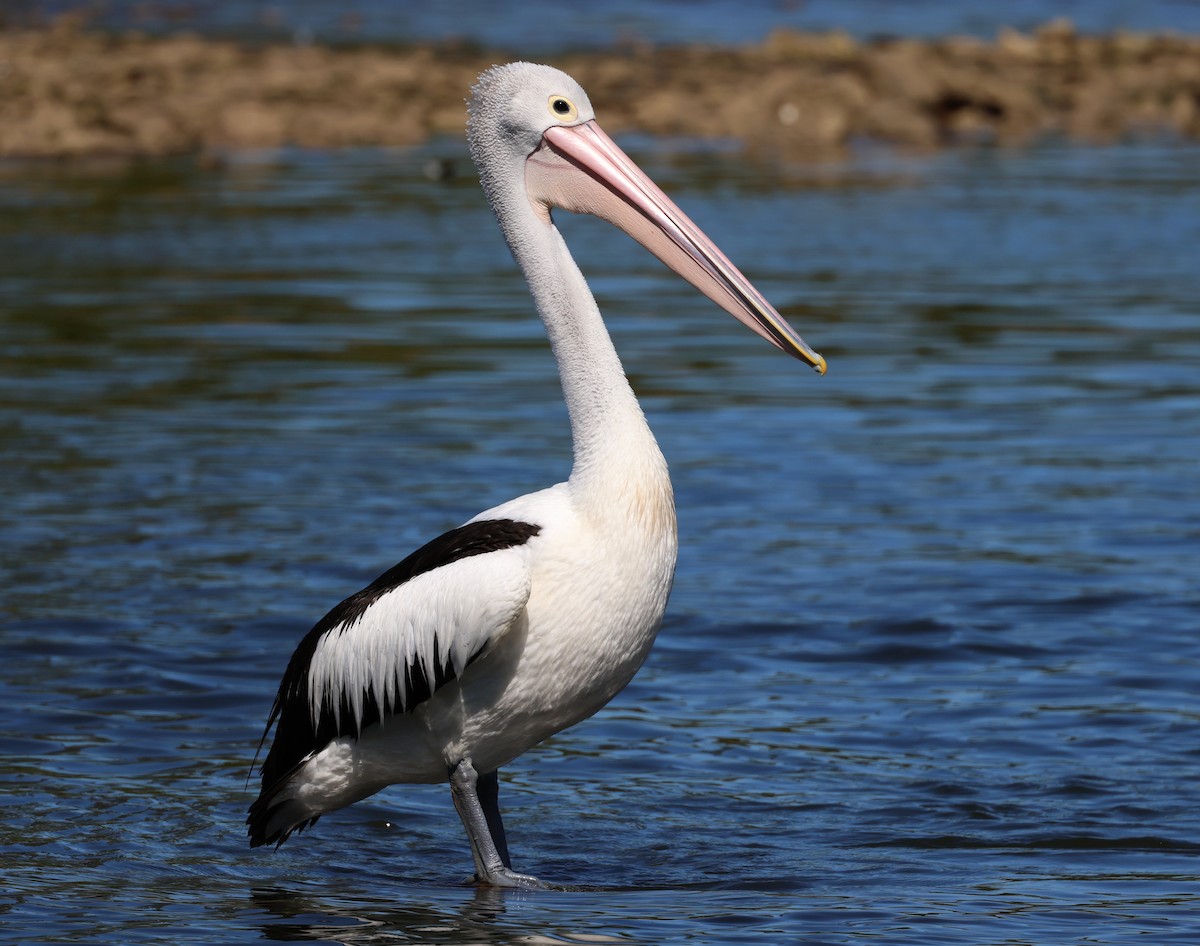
x=547 y=26
x=930 y=673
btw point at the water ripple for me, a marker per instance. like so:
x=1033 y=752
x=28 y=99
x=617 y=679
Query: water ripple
x=930 y=669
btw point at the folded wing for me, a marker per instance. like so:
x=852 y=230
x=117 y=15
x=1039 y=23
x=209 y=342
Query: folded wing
x=394 y=644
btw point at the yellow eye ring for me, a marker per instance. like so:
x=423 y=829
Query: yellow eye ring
x=562 y=108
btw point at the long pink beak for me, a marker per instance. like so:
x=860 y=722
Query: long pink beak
x=579 y=168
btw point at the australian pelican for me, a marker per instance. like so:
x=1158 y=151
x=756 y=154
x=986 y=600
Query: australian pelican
x=534 y=614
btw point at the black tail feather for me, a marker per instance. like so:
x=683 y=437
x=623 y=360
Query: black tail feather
x=268 y=820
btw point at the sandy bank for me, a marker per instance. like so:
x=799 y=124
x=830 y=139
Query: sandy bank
x=67 y=92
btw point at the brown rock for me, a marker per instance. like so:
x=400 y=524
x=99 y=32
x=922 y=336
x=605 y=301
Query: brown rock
x=65 y=91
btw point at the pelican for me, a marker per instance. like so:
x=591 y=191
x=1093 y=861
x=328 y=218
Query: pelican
x=533 y=615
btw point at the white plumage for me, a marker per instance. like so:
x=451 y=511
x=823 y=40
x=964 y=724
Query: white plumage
x=534 y=614
x=444 y=616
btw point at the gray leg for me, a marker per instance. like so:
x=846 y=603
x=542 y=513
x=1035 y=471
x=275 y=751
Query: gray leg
x=491 y=865
x=488 y=789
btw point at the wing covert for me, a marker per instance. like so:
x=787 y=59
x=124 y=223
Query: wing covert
x=415 y=638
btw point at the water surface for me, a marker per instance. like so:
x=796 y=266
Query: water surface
x=930 y=669
x=547 y=26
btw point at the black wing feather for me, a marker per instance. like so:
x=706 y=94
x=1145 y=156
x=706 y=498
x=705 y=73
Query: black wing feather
x=296 y=736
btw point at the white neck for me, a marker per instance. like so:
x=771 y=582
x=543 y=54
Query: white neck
x=618 y=463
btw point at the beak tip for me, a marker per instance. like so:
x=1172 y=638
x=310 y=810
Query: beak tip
x=818 y=364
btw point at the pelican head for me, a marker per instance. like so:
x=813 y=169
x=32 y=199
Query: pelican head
x=535 y=125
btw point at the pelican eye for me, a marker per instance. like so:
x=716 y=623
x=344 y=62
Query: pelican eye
x=563 y=108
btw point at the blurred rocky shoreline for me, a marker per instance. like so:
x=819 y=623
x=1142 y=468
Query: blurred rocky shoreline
x=65 y=91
